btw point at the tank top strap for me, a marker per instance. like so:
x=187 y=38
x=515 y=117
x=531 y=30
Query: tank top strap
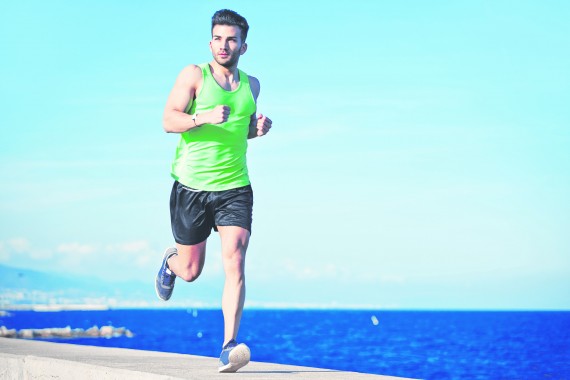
x=243 y=77
x=205 y=69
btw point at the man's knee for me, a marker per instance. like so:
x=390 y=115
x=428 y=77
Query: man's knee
x=190 y=261
x=190 y=273
x=234 y=263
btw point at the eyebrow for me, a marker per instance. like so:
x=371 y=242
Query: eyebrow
x=229 y=37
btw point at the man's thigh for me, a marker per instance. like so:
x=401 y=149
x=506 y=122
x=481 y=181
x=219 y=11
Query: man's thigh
x=235 y=241
x=192 y=254
x=234 y=208
x=190 y=218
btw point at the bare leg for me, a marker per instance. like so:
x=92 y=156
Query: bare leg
x=189 y=262
x=234 y=245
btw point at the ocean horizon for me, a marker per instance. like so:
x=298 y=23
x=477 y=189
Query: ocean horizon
x=419 y=344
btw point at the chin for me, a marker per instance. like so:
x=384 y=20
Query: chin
x=227 y=63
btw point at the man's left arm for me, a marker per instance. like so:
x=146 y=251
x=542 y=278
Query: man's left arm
x=259 y=125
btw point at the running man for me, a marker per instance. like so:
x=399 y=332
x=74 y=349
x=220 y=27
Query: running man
x=213 y=107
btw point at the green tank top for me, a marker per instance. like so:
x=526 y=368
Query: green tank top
x=212 y=157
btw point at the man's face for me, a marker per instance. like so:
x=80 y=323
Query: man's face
x=226 y=45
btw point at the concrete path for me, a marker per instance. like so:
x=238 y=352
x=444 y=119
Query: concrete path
x=27 y=359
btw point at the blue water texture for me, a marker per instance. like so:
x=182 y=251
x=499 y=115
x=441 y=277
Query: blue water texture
x=416 y=344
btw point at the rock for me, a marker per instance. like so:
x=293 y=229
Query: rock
x=43 y=333
x=119 y=331
x=26 y=333
x=8 y=333
x=77 y=332
x=63 y=332
x=106 y=331
x=93 y=331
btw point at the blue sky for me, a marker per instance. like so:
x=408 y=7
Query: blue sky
x=419 y=156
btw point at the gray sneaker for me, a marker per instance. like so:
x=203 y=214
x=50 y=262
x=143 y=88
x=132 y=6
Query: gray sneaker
x=164 y=282
x=233 y=357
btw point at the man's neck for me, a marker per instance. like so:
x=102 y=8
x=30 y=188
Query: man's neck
x=230 y=73
x=227 y=77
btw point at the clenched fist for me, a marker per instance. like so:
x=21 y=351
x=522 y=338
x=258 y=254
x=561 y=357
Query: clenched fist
x=263 y=125
x=218 y=115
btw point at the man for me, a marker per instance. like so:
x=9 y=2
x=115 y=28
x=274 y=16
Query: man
x=213 y=107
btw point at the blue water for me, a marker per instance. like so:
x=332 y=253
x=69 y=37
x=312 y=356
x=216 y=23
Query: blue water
x=416 y=344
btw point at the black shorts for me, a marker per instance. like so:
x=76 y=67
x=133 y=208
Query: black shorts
x=193 y=213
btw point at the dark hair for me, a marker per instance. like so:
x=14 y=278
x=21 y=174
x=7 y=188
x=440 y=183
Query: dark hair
x=228 y=17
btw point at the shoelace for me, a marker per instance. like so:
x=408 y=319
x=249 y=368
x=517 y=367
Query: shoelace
x=168 y=279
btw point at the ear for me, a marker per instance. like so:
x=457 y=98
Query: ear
x=243 y=49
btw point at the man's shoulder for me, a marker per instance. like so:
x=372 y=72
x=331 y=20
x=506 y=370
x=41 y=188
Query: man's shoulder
x=254 y=85
x=253 y=79
x=190 y=75
x=192 y=69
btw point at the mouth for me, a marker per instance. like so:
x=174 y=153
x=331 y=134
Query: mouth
x=223 y=55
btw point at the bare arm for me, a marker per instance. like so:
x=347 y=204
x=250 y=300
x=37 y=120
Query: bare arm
x=188 y=83
x=174 y=118
x=259 y=125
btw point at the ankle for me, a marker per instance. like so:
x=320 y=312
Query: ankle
x=169 y=260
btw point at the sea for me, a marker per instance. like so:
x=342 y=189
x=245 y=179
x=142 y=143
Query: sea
x=415 y=344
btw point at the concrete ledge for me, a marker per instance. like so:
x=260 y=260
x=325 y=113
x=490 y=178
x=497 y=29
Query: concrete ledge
x=26 y=359
x=33 y=367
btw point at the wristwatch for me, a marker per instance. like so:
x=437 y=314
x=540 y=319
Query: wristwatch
x=194 y=119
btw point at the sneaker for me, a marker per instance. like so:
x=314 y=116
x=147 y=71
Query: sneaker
x=164 y=283
x=233 y=357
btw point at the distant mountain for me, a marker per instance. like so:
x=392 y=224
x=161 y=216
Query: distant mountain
x=18 y=278
x=22 y=286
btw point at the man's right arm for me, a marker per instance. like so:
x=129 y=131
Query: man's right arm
x=174 y=119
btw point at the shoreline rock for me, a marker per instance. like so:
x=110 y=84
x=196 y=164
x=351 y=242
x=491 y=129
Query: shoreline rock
x=66 y=332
